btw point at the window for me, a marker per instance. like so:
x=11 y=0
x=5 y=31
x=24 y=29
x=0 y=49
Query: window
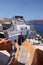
x=15 y=40
x=21 y=28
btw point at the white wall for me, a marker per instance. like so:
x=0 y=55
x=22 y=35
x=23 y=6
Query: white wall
x=1 y=28
x=23 y=28
x=14 y=36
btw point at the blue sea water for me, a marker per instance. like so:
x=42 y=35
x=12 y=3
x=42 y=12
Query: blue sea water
x=39 y=28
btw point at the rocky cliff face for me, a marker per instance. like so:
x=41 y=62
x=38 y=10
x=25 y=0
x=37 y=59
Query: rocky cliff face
x=5 y=20
x=35 y=21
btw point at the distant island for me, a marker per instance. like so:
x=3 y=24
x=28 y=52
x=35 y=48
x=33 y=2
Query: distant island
x=35 y=22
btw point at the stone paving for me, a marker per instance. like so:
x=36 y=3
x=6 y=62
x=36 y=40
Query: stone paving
x=23 y=56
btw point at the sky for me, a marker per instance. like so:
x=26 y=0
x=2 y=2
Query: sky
x=30 y=9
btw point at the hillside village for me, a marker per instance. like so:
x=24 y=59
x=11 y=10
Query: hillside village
x=20 y=44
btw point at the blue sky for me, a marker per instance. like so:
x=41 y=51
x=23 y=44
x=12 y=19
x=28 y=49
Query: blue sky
x=30 y=9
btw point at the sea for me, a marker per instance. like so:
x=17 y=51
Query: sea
x=39 y=28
